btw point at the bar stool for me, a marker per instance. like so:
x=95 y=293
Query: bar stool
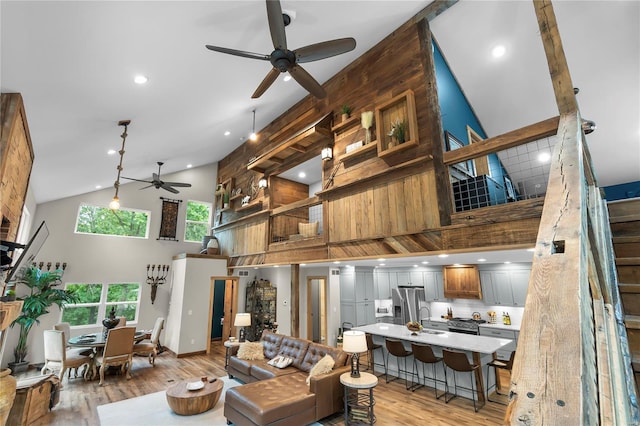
x=396 y=348
x=458 y=362
x=502 y=365
x=371 y=347
x=425 y=355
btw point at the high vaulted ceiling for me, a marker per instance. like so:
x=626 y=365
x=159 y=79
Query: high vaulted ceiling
x=74 y=63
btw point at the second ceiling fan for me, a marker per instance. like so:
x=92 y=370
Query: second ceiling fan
x=285 y=60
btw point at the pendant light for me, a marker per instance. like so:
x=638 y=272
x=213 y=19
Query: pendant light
x=115 y=203
x=253 y=136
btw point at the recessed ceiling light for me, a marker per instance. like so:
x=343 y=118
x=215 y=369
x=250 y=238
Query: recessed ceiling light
x=98 y=186
x=415 y=266
x=443 y=255
x=382 y=264
x=425 y=262
x=381 y=260
x=276 y=266
x=456 y=264
x=287 y=77
x=337 y=262
x=189 y=166
x=302 y=175
x=482 y=260
x=111 y=151
x=544 y=157
x=498 y=51
x=507 y=263
x=303 y=264
x=531 y=249
x=140 y=79
x=227 y=133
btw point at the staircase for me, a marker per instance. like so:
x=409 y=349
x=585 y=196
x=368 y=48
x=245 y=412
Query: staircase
x=624 y=217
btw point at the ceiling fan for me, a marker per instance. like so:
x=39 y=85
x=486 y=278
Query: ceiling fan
x=285 y=60
x=168 y=186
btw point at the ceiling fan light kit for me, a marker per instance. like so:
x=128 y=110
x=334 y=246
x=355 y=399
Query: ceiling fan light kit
x=284 y=60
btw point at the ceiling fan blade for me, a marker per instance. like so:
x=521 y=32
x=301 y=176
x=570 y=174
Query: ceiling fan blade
x=307 y=81
x=266 y=83
x=235 y=52
x=145 y=187
x=276 y=24
x=178 y=184
x=169 y=188
x=137 y=180
x=326 y=49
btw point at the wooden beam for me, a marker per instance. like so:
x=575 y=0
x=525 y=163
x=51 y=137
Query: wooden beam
x=295 y=300
x=558 y=67
x=533 y=132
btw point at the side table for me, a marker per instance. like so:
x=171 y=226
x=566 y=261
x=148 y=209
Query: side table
x=228 y=345
x=358 y=406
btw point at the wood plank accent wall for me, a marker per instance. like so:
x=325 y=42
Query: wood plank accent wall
x=16 y=156
x=245 y=238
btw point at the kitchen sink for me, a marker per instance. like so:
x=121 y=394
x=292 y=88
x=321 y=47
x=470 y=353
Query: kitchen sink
x=426 y=331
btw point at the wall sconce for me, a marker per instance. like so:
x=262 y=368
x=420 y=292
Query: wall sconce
x=327 y=153
x=262 y=183
x=156 y=277
x=115 y=203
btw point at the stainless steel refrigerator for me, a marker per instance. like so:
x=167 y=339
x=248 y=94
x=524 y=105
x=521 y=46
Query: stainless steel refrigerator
x=407 y=302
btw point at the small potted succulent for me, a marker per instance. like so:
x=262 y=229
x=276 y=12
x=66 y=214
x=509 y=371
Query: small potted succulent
x=398 y=132
x=346 y=112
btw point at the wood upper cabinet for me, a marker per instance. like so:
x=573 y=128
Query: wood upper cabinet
x=462 y=282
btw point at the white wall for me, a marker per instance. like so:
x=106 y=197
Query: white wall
x=94 y=258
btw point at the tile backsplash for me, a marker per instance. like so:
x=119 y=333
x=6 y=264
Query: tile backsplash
x=464 y=308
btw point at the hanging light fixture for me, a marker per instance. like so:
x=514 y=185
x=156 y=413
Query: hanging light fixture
x=327 y=153
x=115 y=203
x=253 y=136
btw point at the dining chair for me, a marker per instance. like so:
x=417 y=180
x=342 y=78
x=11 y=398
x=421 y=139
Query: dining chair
x=151 y=347
x=122 y=322
x=118 y=350
x=65 y=327
x=56 y=356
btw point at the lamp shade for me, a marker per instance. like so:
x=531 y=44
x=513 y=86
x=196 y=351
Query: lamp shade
x=354 y=342
x=242 y=320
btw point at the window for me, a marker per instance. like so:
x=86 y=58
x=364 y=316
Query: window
x=104 y=221
x=96 y=300
x=198 y=220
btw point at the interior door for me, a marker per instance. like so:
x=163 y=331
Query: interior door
x=317 y=309
x=230 y=307
x=218 y=309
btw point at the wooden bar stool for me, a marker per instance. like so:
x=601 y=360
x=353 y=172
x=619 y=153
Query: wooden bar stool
x=425 y=355
x=371 y=347
x=499 y=364
x=458 y=362
x=396 y=348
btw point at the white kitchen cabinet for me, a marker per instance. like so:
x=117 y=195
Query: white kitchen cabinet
x=519 y=286
x=505 y=287
x=382 y=285
x=348 y=313
x=413 y=278
x=365 y=313
x=347 y=286
x=364 y=286
x=505 y=351
x=357 y=295
x=434 y=286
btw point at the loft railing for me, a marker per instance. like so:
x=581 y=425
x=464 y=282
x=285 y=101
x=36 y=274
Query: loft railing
x=297 y=221
x=572 y=364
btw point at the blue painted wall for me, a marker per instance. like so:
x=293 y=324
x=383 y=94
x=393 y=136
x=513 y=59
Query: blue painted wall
x=622 y=191
x=456 y=112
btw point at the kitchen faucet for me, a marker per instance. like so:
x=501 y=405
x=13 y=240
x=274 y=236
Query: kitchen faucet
x=428 y=312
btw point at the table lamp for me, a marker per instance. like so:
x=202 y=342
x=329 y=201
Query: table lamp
x=354 y=343
x=242 y=320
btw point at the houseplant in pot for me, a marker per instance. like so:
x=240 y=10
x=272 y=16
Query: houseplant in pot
x=41 y=295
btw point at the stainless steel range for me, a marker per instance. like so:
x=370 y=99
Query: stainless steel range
x=465 y=325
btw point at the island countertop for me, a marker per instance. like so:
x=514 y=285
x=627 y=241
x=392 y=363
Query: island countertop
x=461 y=341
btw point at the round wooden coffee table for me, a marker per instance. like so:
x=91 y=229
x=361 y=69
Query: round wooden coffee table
x=189 y=402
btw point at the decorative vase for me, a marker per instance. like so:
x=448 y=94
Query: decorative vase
x=7 y=394
x=110 y=322
x=212 y=246
x=345 y=117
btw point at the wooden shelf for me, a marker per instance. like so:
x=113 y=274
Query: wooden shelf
x=235 y=197
x=345 y=124
x=249 y=206
x=397 y=148
x=234 y=222
x=359 y=152
x=400 y=108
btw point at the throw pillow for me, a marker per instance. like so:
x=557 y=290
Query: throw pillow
x=308 y=229
x=251 y=351
x=281 y=361
x=325 y=365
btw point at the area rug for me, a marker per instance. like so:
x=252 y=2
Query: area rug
x=152 y=409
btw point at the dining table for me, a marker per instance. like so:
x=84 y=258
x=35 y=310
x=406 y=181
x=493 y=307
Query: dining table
x=97 y=341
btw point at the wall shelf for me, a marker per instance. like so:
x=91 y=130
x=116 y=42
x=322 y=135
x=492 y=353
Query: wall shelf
x=235 y=197
x=400 y=108
x=345 y=124
x=359 y=151
x=250 y=205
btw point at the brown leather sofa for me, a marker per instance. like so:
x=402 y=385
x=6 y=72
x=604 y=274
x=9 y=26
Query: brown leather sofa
x=273 y=396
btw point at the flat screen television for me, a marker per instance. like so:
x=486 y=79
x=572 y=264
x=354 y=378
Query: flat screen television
x=30 y=251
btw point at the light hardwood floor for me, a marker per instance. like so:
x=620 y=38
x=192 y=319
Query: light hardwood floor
x=394 y=405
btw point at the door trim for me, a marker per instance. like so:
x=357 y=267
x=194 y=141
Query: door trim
x=230 y=305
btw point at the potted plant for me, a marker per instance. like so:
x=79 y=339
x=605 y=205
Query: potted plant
x=346 y=112
x=399 y=131
x=41 y=296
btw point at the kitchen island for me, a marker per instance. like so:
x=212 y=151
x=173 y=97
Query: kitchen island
x=483 y=349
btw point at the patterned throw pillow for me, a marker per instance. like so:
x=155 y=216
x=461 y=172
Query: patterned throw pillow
x=251 y=351
x=325 y=365
x=281 y=361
